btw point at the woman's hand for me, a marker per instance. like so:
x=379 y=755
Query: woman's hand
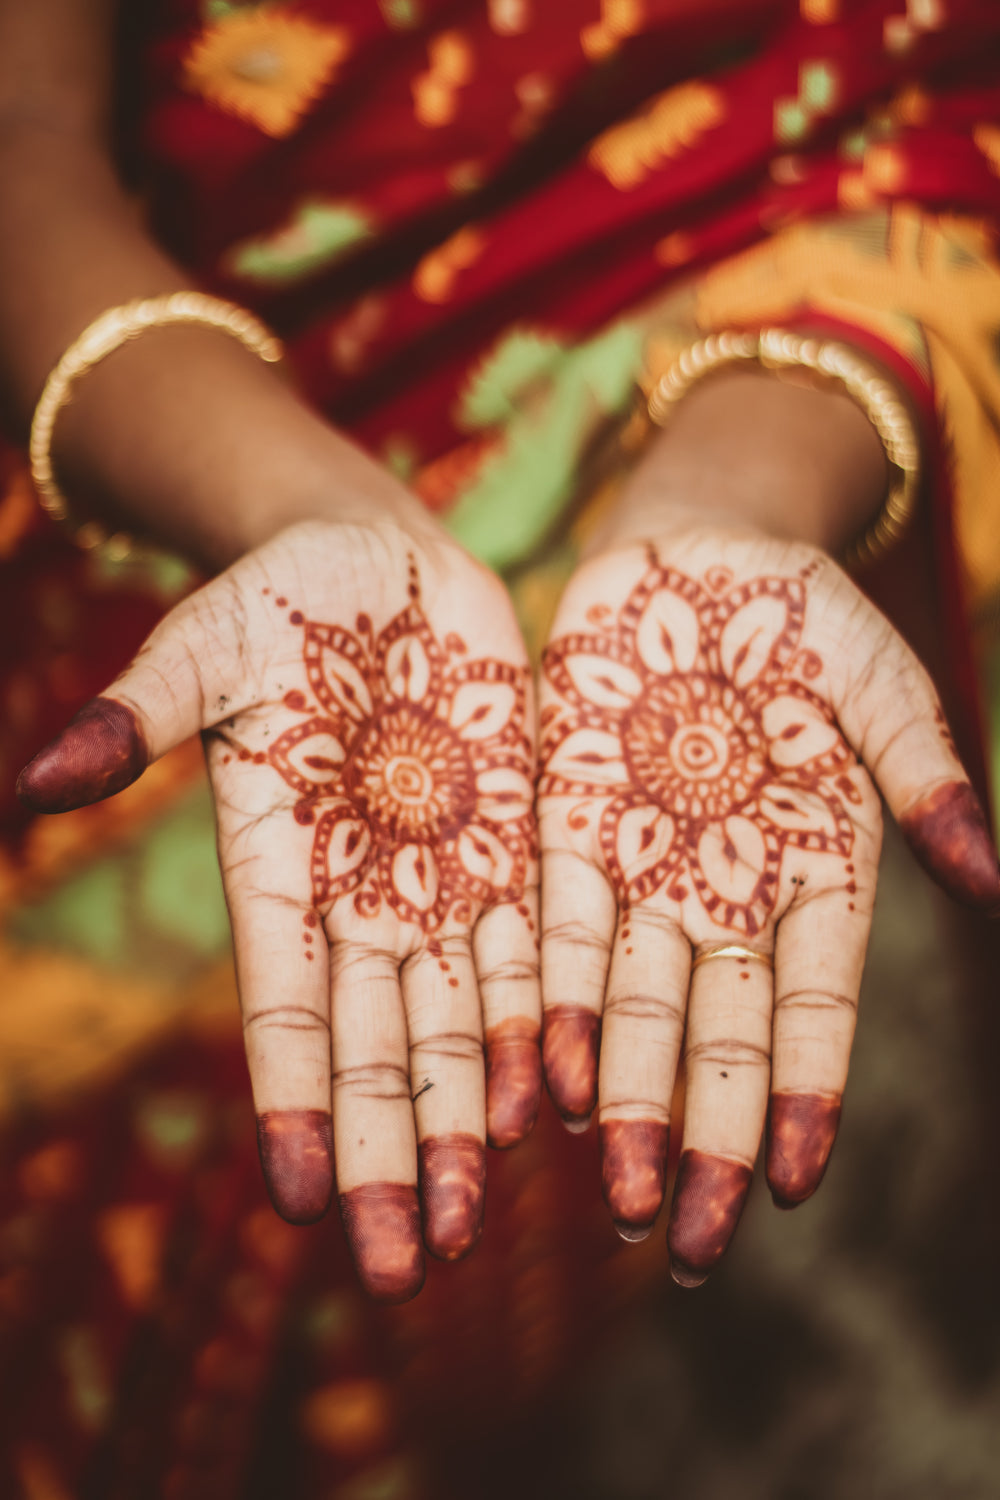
x=367 y=713
x=717 y=710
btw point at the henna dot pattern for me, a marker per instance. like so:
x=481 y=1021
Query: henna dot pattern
x=413 y=766
x=685 y=717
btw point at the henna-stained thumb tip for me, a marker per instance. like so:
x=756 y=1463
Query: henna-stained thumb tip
x=296 y=1157
x=100 y=752
x=949 y=834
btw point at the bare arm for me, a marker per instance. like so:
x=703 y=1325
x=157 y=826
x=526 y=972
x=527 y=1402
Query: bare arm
x=184 y=434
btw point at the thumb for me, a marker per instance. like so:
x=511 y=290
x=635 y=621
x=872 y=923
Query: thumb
x=158 y=701
x=895 y=722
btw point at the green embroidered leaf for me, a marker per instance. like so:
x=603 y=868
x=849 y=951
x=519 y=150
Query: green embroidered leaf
x=319 y=233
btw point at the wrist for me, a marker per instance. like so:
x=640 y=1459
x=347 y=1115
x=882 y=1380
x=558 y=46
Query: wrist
x=186 y=439
x=746 y=450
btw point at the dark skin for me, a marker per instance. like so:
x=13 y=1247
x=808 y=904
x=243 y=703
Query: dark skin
x=186 y=437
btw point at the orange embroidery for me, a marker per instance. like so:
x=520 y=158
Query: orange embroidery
x=435 y=99
x=619 y=19
x=674 y=249
x=264 y=65
x=434 y=278
x=854 y=192
x=627 y=153
x=536 y=94
x=987 y=138
x=508 y=17
x=820 y=12
x=440 y=483
x=350 y=339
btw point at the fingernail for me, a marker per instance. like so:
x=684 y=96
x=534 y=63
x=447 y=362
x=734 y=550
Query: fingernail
x=708 y=1199
x=452 y=1193
x=382 y=1223
x=513 y=1080
x=295 y=1153
x=101 y=751
x=950 y=836
x=801 y=1129
x=633 y=1173
x=571 y=1041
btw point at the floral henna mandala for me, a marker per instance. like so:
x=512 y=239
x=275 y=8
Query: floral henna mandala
x=414 y=765
x=686 y=714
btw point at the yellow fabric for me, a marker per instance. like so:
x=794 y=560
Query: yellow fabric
x=928 y=286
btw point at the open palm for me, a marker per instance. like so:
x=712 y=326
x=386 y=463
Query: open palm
x=707 y=704
x=367 y=712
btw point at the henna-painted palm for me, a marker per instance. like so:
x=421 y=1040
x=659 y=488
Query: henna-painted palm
x=713 y=711
x=368 y=719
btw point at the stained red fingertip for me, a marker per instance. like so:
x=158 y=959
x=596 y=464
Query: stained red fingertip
x=571 y=1040
x=296 y=1156
x=513 y=1080
x=452 y=1193
x=634 y=1173
x=708 y=1199
x=382 y=1223
x=950 y=836
x=100 y=752
x=801 y=1130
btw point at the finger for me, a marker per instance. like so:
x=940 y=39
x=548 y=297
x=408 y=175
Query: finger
x=505 y=946
x=449 y=1091
x=640 y=1046
x=282 y=973
x=374 y=1139
x=819 y=959
x=164 y=696
x=728 y=1054
x=579 y=911
x=284 y=998
x=895 y=722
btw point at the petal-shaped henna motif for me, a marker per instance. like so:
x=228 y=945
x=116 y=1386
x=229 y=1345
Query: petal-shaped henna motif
x=488 y=705
x=582 y=760
x=734 y=869
x=407 y=660
x=309 y=756
x=342 y=851
x=668 y=628
x=720 y=745
x=755 y=630
x=418 y=776
x=640 y=847
x=593 y=671
x=339 y=673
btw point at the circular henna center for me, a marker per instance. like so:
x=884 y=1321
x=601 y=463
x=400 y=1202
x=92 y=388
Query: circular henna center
x=411 y=775
x=695 y=747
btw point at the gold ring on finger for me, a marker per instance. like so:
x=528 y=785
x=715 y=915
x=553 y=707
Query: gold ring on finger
x=733 y=950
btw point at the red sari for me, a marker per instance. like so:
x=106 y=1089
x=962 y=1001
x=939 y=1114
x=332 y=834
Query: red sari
x=475 y=225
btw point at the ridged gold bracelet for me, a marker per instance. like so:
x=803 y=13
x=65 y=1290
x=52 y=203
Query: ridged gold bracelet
x=833 y=364
x=113 y=329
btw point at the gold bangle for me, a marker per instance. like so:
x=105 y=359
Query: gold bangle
x=113 y=329
x=832 y=364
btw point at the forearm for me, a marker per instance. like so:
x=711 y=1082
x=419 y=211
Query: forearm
x=748 y=449
x=183 y=435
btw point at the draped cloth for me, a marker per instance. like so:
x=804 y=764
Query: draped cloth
x=478 y=226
